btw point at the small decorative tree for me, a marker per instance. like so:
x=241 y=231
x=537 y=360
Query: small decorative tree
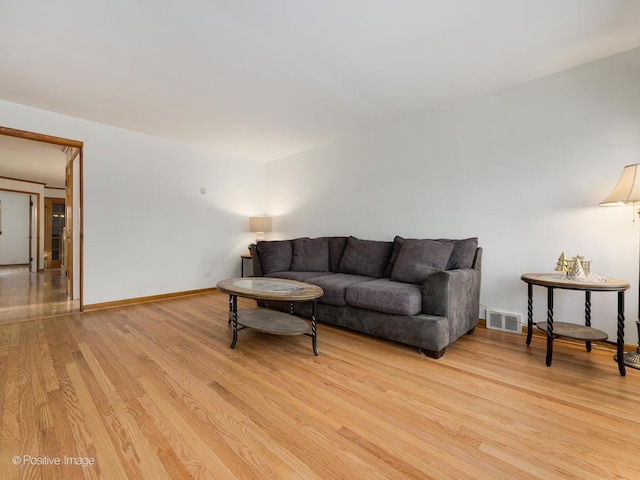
x=563 y=264
x=576 y=272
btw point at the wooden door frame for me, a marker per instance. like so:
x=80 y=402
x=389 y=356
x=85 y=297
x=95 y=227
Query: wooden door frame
x=39 y=137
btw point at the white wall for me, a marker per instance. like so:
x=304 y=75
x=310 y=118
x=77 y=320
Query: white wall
x=54 y=193
x=147 y=228
x=14 y=239
x=524 y=170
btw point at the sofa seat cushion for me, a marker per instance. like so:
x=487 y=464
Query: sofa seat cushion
x=298 y=276
x=387 y=296
x=335 y=286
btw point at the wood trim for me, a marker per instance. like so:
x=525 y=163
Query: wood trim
x=80 y=210
x=152 y=298
x=26 y=192
x=39 y=137
x=23 y=180
x=69 y=265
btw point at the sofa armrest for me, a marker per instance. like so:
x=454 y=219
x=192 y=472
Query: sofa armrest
x=256 y=263
x=454 y=294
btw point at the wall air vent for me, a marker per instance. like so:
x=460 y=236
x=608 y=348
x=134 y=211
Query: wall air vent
x=505 y=322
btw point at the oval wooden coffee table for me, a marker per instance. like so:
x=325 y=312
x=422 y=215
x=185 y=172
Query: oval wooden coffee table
x=271 y=321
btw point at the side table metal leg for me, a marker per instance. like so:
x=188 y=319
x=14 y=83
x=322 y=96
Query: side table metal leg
x=587 y=314
x=230 y=309
x=314 y=335
x=529 y=313
x=620 y=336
x=549 y=325
x=234 y=314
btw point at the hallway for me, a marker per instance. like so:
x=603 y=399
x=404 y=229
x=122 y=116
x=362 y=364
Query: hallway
x=27 y=296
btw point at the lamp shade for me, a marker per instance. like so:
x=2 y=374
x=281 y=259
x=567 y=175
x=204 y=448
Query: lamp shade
x=259 y=224
x=627 y=190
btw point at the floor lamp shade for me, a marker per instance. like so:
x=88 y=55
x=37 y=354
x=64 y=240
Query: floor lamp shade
x=627 y=190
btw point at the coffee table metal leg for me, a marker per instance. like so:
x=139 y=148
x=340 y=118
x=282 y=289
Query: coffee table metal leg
x=233 y=303
x=230 y=309
x=549 y=325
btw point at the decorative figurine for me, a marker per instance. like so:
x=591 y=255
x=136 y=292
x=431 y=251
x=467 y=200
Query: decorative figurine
x=563 y=264
x=586 y=264
x=577 y=269
x=576 y=272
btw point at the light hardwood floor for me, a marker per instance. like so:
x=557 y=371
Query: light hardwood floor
x=153 y=391
x=26 y=296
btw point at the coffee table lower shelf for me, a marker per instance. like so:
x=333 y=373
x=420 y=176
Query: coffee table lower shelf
x=271 y=321
x=275 y=323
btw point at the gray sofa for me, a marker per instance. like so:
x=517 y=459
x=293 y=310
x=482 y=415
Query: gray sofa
x=419 y=292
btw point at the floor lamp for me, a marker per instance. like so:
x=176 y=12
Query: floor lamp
x=627 y=192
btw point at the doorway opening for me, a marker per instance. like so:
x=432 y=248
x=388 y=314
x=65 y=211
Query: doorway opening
x=51 y=281
x=54 y=226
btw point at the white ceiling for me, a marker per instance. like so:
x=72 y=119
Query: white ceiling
x=263 y=79
x=33 y=161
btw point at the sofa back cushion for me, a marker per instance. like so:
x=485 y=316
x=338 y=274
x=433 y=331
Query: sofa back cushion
x=336 y=250
x=418 y=259
x=310 y=255
x=365 y=257
x=397 y=245
x=275 y=255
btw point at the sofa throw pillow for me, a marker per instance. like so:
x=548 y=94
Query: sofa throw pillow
x=275 y=255
x=420 y=258
x=464 y=251
x=365 y=257
x=310 y=255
